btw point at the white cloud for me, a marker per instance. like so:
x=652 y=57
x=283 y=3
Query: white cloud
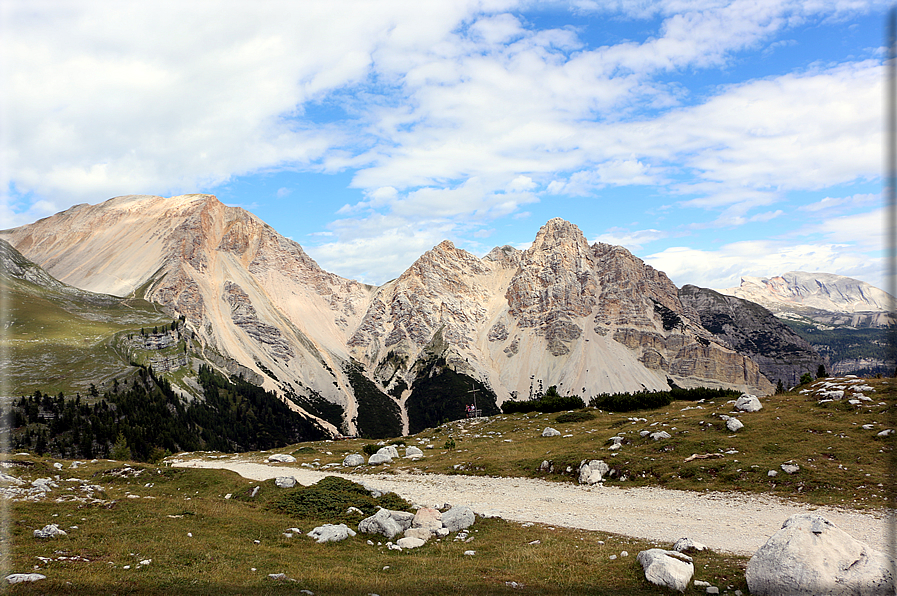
x=724 y=267
x=633 y=240
x=830 y=205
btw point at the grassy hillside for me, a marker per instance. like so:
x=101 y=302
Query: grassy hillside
x=59 y=340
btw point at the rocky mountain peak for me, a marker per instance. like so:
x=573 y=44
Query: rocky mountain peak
x=559 y=235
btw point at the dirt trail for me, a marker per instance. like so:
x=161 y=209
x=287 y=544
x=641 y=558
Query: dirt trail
x=727 y=522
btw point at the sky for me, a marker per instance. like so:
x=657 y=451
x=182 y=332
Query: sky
x=714 y=139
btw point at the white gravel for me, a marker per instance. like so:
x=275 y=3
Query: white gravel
x=726 y=522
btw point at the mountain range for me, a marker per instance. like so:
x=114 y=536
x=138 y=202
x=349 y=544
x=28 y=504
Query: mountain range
x=369 y=360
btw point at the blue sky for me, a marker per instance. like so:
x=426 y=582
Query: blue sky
x=712 y=138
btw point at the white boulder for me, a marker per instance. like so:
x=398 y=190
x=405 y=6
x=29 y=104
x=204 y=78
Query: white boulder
x=331 y=533
x=592 y=472
x=734 y=424
x=403 y=518
x=282 y=458
x=551 y=432
x=381 y=522
x=667 y=568
x=353 y=459
x=660 y=435
x=810 y=555
x=458 y=518
x=413 y=452
x=790 y=468
x=285 y=482
x=748 y=403
x=379 y=458
x=49 y=531
x=410 y=542
x=18 y=578
x=389 y=450
x=427 y=517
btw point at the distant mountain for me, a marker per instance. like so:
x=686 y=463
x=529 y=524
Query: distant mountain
x=832 y=300
x=844 y=319
x=749 y=328
x=378 y=361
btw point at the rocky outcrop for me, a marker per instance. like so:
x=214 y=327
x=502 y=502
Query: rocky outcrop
x=755 y=332
x=667 y=568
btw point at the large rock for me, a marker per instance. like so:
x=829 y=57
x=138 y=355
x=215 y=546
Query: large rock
x=592 y=472
x=686 y=545
x=667 y=568
x=331 y=533
x=381 y=522
x=748 y=403
x=353 y=459
x=18 y=578
x=422 y=533
x=403 y=518
x=810 y=555
x=389 y=450
x=413 y=452
x=551 y=432
x=458 y=518
x=734 y=424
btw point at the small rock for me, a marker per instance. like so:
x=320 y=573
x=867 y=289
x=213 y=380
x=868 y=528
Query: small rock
x=713 y=590
x=285 y=482
x=624 y=554
x=790 y=468
x=551 y=432
x=613 y=557
x=734 y=424
x=886 y=433
x=410 y=542
x=18 y=578
x=458 y=518
x=661 y=435
x=282 y=458
x=470 y=553
x=49 y=531
x=331 y=533
x=701 y=584
x=687 y=545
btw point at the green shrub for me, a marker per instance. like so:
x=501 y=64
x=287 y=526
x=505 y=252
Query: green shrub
x=330 y=499
x=580 y=416
x=449 y=443
x=648 y=400
x=370 y=449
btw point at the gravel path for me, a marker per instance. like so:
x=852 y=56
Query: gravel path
x=726 y=522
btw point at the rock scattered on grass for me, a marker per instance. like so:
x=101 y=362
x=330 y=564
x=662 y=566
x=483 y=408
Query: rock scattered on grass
x=331 y=533
x=18 y=578
x=49 y=531
x=551 y=432
x=748 y=403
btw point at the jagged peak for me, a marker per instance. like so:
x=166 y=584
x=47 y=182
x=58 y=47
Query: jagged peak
x=558 y=233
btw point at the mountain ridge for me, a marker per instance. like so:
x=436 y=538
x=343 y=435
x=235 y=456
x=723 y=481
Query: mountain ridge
x=590 y=319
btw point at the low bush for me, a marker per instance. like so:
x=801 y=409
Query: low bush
x=649 y=400
x=550 y=402
x=330 y=499
x=580 y=416
x=370 y=448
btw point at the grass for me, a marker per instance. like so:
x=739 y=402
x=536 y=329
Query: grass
x=65 y=341
x=220 y=555
x=841 y=464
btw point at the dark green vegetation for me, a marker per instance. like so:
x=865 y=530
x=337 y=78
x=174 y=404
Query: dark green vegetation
x=552 y=401
x=641 y=400
x=581 y=416
x=440 y=393
x=233 y=544
x=844 y=344
x=152 y=419
x=379 y=415
x=331 y=497
x=317 y=405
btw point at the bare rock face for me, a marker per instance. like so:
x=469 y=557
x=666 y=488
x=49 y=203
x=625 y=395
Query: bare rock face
x=589 y=319
x=810 y=555
x=753 y=331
